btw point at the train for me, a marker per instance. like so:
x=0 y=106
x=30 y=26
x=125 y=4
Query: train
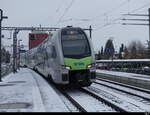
x=66 y=58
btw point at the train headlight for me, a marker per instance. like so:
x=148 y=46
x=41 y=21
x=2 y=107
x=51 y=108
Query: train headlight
x=89 y=66
x=92 y=66
x=66 y=67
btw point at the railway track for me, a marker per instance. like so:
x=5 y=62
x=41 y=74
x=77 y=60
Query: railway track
x=92 y=99
x=77 y=104
x=84 y=94
x=72 y=96
x=128 y=101
x=107 y=102
x=130 y=90
x=123 y=102
x=125 y=85
x=73 y=101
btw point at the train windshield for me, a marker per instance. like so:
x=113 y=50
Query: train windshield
x=75 y=43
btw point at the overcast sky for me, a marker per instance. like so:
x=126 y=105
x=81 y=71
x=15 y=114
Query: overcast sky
x=80 y=13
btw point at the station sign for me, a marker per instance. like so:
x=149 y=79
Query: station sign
x=22 y=51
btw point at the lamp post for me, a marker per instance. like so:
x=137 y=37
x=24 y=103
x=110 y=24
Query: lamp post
x=1 y=19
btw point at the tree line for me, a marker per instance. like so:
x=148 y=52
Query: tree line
x=135 y=50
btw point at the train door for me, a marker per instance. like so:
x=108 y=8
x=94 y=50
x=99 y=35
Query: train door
x=54 y=62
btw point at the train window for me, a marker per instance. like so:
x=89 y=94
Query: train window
x=75 y=44
x=71 y=31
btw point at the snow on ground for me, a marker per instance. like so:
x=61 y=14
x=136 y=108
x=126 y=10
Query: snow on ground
x=122 y=100
x=124 y=74
x=89 y=103
x=26 y=91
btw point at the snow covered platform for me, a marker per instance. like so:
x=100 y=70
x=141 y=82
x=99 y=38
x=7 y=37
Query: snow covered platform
x=142 y=81
x=26 y=91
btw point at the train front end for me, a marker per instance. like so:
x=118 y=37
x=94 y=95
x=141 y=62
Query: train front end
x=79 y=59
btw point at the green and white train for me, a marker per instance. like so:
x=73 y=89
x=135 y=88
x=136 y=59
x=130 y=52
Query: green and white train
x=66 y=58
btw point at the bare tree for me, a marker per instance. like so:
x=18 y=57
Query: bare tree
x=126 y=53
x=141 y=52
x=136 y=50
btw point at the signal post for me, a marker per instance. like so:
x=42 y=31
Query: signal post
x=1 y=19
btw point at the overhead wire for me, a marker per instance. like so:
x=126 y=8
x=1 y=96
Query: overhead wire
x=66 y=10
x=111 y=10
x=104 y=14
x=137 y=9
x=108 y=13
x=97 y=17
x=59 y=6
x=83 y=21
x=113 y=21
x=50 y=18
